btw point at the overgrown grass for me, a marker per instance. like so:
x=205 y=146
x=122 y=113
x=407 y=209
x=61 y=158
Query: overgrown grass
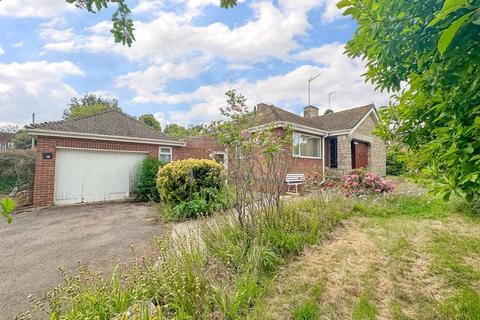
x=400 y=257
x=228 y=271
x=220 y=276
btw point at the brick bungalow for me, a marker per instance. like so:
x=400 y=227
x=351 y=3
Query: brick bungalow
x=95 y=158
x=331 y=144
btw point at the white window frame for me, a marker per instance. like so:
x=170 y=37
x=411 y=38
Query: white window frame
x=10 y=145
x=225 y=155
x=320 y=146
x=161 y=153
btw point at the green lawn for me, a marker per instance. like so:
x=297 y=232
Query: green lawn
x=403 y=258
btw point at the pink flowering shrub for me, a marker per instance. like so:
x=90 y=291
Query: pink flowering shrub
x=359 y=183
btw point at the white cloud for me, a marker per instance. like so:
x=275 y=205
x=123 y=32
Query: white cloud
x=171 y=36
x=18 y=44
x=57 y=35
x=338 y=73
x=34 y=8
x=2 y=51
x=150 y=83
x=239 y=66
x=36 y=86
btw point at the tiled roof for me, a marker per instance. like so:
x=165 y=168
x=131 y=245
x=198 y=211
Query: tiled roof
x=270 y=114
x=6 y=137
x=341 y=120
x=109 y=123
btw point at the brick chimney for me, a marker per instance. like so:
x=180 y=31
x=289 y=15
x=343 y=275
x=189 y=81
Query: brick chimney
x=310 y=112
x=260 y=107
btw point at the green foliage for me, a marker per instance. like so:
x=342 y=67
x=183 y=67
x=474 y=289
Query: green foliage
x=307 y=311
x=122 y=28
x=396 y=161
x=150 y=121
x=192 y=187
x=413 y=206
x=465 y=304
x=7 y=205
x=22 y=140
x=178 y=131
x=89 y=104
x=7 y=183
x=17 y=168
x=147 y=181
x=122 y=24
x=433 y=47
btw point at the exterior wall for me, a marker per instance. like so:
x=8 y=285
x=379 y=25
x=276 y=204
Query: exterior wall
x=302 y=165
x=199 y=148
x=377 y=150
x=44 y=181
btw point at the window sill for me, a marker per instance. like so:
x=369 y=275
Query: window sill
x=305 y=157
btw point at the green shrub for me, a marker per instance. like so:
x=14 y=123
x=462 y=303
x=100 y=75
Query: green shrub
x=17 y=168
x=192 y=187
x=147 y=180
x=396 y=161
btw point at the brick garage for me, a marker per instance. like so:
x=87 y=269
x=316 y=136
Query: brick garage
x=106 y=133
x=44 y=182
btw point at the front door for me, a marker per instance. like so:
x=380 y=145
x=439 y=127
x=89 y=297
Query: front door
x=360 y=155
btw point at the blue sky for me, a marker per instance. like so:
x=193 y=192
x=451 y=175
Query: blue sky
x=187 y=54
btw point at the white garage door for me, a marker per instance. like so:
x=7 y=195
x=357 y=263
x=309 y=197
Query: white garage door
x=90 y=176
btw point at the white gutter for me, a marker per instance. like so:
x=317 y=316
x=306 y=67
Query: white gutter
x=296 y=127
x=91 y=136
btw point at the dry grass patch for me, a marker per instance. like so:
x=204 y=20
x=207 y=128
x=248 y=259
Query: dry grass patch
x=418 y=264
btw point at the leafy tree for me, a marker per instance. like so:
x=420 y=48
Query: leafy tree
x=178 y=131
x=89 y=104
x=122 y=23
x=150 y=120
x=433 y=47
x=22 y=140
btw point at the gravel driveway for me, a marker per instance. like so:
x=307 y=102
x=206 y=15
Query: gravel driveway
x=36 y=243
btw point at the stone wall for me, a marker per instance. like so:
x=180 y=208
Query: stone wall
x=377 y=150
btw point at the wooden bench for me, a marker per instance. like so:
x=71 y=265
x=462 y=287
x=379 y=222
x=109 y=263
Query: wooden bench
x=294 y=180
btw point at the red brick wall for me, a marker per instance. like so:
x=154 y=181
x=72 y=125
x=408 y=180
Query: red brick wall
x=199 y=148
x=44 y=183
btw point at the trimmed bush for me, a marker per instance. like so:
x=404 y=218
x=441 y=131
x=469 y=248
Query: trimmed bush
x=147 y=181
x=192 y=187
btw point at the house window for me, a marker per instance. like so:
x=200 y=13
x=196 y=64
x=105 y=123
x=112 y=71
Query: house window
x=333 y=141
x=165 y=154
x=10 y=145
x=220 y=157
x=307 y=146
